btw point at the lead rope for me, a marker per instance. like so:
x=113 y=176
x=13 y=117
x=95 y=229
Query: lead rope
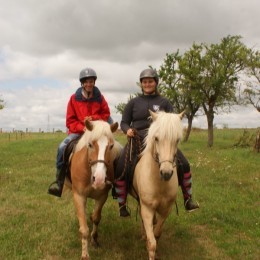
x=129 y=152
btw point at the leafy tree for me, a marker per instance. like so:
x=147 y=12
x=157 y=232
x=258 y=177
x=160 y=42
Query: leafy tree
x=190 y=67
x=2 y=105
x=121 y=106
x=222 y=63
x=170 y=78
x=252 y=91
x=179 y=75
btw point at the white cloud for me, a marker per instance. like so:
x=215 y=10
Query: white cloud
x=44 y=45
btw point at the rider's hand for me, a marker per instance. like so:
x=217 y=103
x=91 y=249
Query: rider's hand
x=89 y=118
x=130 y=132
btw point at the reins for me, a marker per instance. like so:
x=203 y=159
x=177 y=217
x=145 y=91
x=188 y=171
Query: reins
x=130 y=152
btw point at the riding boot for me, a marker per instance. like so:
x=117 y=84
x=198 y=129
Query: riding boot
x=189 y=204
x=56 y=187
x=120 y=187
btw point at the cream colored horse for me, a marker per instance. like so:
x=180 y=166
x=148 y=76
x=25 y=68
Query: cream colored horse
x=155 y=178
x=92 y=173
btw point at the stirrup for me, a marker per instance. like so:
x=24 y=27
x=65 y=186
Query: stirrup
x=123 y=212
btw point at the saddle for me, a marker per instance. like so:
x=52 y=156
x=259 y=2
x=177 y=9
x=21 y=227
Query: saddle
x=65 y=170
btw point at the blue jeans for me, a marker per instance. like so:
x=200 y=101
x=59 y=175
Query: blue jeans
x=61 y=148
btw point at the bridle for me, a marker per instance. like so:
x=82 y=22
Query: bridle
x=91 y=163
x=156 y=158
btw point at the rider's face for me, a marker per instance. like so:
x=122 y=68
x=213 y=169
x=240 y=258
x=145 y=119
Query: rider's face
x=148 y=85
x=88 y=84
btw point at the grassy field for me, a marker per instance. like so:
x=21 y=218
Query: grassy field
x=35 y=225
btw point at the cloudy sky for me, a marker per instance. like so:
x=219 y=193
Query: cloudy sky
x=45 y=44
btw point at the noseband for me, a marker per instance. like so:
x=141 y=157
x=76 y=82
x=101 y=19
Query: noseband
x=91 y=163
x=173 y=162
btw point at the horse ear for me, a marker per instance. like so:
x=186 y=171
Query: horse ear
x=181 y=115
x=88 y=125
x=153 y=115
x=114 y=127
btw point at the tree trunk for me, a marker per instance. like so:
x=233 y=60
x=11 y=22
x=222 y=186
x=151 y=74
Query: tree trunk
x=210 y=118
x=188 y=129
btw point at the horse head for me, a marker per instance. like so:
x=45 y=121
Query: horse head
x=100 y=147
x=163 y=137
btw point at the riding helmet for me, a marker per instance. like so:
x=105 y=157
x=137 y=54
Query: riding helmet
x=87 y=73
x=149 y=73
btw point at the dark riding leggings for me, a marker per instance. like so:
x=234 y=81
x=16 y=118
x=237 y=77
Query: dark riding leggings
x=123 y=182
x=183 y=165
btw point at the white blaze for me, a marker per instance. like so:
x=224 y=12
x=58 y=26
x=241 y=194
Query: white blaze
x=99 y=169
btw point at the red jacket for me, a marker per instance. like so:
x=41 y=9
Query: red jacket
x=79 y=107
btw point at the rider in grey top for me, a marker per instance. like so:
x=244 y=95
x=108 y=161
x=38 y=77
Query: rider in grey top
x=135 y=118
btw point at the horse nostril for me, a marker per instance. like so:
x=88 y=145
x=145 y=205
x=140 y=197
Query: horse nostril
x=166 y=176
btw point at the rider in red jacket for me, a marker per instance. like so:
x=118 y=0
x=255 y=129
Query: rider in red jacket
x=87 y=103
x=80 y=107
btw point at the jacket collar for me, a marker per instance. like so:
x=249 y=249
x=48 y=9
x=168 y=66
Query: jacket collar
x=96 y=95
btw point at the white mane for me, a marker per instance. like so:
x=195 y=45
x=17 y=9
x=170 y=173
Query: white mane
x=167 y=126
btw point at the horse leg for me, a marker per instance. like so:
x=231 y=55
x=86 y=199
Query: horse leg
x=95 y=219
x=147 y=217
x=80 y=205
x=158 y=226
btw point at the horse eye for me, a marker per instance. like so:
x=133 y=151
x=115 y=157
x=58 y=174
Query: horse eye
x=111 y=146
x=156 y=139
x=90 y=145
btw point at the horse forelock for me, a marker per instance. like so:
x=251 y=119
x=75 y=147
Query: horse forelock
x=100 y=128
x=167 y=126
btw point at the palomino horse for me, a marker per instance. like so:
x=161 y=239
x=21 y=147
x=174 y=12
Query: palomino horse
x=155 y=181
x=92 y=174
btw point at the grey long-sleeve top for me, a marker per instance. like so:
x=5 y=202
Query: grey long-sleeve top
x=136 y=113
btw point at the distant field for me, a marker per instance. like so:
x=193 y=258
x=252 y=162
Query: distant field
x=35 y=225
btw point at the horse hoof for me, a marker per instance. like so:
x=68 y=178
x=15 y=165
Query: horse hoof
x=84 y=258
x=95 y=243
x=157 y=256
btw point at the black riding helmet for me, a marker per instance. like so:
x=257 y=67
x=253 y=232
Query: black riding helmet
x=149 y=73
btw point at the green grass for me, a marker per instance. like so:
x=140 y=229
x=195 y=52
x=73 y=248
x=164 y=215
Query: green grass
x=35 y=225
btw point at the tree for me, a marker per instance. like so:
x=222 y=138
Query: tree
x=121 y=106
x=222 y=63
x=179 y=74
x=190 y=67
x=2 y=105
x=170 y=78
x=252 y=91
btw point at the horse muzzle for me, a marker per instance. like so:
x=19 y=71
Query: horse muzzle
x=99 y=185
x=166 y=176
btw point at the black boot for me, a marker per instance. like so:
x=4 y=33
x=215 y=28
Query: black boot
x=190 y=205
x=123 y=212
x=56 y=187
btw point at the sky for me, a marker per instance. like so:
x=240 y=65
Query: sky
x=45 y=44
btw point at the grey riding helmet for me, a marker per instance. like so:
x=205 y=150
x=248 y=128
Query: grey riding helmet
x=87 y=73
x=149 y=73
